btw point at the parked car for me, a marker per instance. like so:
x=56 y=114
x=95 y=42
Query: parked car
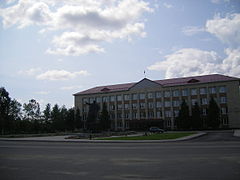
x=156 y=130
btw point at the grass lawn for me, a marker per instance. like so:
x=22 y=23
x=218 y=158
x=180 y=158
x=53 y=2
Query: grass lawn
x=151 y=136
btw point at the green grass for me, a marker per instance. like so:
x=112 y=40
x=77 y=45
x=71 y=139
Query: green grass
x=151 y=137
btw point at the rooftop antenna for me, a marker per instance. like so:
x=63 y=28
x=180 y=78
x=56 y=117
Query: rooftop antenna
x=144 y=72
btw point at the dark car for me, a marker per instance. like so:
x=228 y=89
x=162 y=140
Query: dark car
x=156 y=130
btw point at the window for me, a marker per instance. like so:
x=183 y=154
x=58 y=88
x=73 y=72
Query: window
x=119 y=106
x=167 y=104
x=176 y=103
x=98 y=99
x=204 y=101
x=167 y=94
x=142 y=105
x=212 y=90
x=193 y=91
x=85 y=100
x=185 y=92
x=112 y=116
x=204 y=111
x=126 y=115
x=126 y=97
x=169 y=123
x=159 y=104
x=112 y=98
x=175 y=93
x=112 y=107
x=194 y=101
x=135 y=96
x=159 y=114
x=126 y=106
x=134 y=105
x=105 y=99
x=150 y=105
x=91 y=100
x=142 y=96
x=119 y=115
x=150 y=95
x=151 y=114
x=223 y=110
x=222 y=89
x=176 y=113
x=225 y=121
x=119 y=98
x=158 y=94
x=168 y=114
x=134 y=115
x=142 y=114
x=203 y=91
x=223 y=99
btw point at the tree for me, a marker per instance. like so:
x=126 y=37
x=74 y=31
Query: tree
x=47 y=118
x=32 y=110
x=92 y=116
x=183 y=119
x=56 y=118
x=196 y=121
x=70 y=125
x=78 y=119
x=4 y=108
x=105 y=122
x=15 y=116
x=213 y=117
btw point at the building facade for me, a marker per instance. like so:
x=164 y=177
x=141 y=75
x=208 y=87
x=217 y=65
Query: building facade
x=157 y=103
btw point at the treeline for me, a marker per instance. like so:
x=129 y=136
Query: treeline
x=28 y=118
x=196 y=120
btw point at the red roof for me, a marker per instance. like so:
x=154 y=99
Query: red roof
x=164 y=83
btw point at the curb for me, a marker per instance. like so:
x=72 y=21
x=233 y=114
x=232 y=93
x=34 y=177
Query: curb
x=110 y=141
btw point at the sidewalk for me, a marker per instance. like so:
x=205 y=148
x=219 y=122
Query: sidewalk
x=62 y=139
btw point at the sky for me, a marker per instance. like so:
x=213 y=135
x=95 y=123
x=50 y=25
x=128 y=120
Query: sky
x=51 y=49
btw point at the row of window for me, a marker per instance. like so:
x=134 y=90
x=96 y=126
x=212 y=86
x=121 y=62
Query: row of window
x=159 y=104
x=159 y=114
x=151 y=95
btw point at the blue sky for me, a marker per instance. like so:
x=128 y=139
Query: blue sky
x=51 y=49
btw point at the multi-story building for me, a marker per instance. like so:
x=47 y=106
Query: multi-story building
x=157 y=103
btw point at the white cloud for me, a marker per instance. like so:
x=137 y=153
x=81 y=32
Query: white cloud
x=70 y=87
x=85 y=24
x=227 y=29
x=30 y=72
x=231 y=64
x=167 y=5
x=54 y=75
x=188 y=62
x=192 y=30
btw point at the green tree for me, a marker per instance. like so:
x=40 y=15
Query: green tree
x=47 y=118
x=213 y=117
x=70 y=125
x=196 y=121
x=105 y=122
x=183 y=119
x=15 y=116
x=32 y=110
x=78 y=119
x=4 y=109
x=56 y=118
x=92 y=116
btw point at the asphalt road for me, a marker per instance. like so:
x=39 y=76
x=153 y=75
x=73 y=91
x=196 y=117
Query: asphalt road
x=214 y=156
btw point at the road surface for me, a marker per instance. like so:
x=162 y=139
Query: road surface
x=214 y=156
